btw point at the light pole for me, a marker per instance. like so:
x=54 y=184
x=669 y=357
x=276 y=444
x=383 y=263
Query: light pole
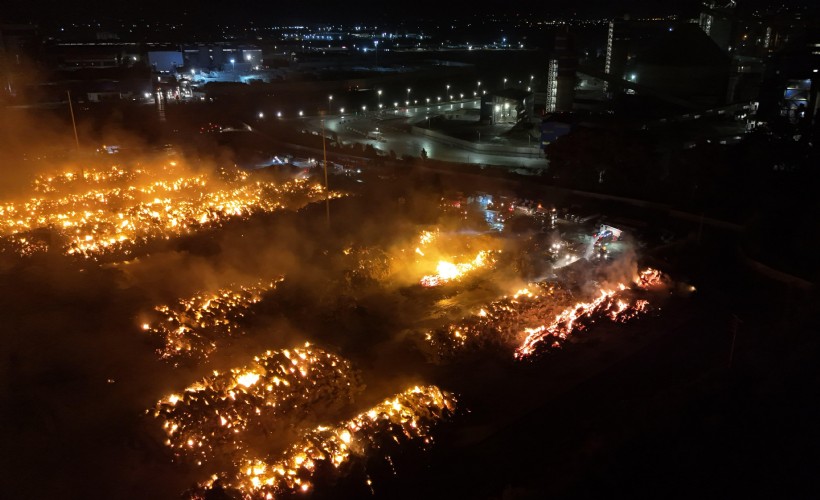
x=408 y=96
x=233 y=65
x=505 y=83
x=376 y=52
x=329 y=102
x=448 y=90
x=327 y=190
x=379 y=94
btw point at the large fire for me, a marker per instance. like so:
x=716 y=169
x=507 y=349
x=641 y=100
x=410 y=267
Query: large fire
x=530 y=312
x=113 y=210
x=406 y=417
x=574 y=318
x=447 y=272
x=223 y=414
x=193 y=325
x=501 y=320
x=649 y=278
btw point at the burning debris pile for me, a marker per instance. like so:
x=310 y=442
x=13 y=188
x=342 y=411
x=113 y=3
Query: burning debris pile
x=530 y=313
x=192 y=326
x=578 y=317
x=407 y=418
x=113 y=210
x=502 y=320
x=649 y=278
x=223 y=414
x=447 y=272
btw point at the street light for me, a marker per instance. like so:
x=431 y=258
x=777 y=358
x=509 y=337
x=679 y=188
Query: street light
x=329 y=101
x=408 y=94
x=448 y=90
x=261 y=115
x=379 y=93
x=342 y=111
x=233 y=63
x=505 y=83
x=278 y=114
x=376 y=51
x=301 y=113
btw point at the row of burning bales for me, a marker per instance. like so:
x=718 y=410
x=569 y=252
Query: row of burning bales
x=114 y=210
x=225 y=417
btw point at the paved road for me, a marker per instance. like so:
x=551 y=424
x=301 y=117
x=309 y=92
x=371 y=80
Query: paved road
x=392 y=125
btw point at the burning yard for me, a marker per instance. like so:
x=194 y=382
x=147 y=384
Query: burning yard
x=183 y=293
x=93 y=213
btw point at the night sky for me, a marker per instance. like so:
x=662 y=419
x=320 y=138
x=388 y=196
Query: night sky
x=329 y=11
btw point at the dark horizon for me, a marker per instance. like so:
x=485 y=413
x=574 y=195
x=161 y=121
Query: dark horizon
x=211 y=12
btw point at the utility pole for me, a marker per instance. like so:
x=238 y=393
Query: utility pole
x=327 y=188
x=76 y=137
x=73 y=122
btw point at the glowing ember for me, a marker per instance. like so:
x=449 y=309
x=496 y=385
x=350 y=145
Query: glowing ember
x=193 y=325
x=113 y=210
x=406 y=418
x=427 y=237
x=447 y=271
x=222 y=415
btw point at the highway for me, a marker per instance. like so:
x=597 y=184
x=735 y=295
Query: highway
x=392 y=125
